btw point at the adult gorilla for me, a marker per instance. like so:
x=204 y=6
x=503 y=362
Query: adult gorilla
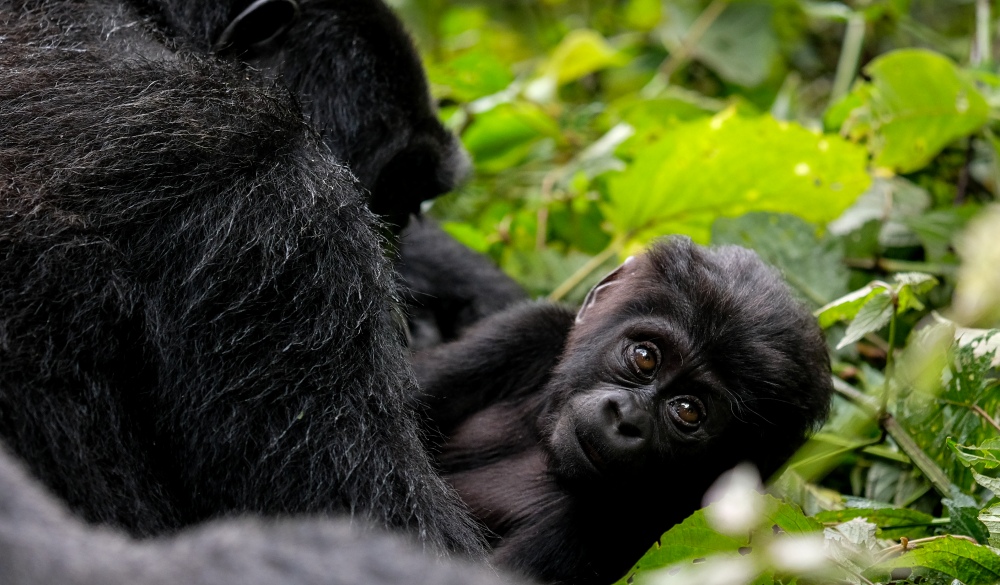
x=196 y=316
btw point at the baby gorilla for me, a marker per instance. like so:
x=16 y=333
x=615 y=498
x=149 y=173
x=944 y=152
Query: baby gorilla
x=579 y=439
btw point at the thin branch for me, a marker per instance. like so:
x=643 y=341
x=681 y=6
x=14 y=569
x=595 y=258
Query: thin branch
x=679 y=57
x=850 y=56
x=584 y=271
x=890 y=425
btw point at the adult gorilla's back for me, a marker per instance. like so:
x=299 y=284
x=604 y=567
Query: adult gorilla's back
x=196 y=317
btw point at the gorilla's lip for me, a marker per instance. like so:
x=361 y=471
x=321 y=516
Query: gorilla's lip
x=590 y=454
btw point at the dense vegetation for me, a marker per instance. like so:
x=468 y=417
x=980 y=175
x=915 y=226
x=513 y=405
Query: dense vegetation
x=852 y=144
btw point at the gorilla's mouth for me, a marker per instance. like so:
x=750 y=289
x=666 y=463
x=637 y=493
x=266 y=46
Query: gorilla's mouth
x=591 y=453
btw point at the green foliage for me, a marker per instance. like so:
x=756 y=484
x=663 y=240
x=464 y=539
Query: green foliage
x=853 y=145
x=727 y=166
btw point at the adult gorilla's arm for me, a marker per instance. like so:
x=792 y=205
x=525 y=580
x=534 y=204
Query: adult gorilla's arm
x=506 y=356
x=42 y=544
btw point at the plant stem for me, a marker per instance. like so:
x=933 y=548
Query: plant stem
x=982 y=50
x=584 y=271
x=920 y=459
x=679 y=57
x=850 y=55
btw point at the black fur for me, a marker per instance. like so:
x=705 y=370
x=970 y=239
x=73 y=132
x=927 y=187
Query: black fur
x=41 y=544
x=196 y=318
x=362 y=87
x=448 y=287
x=576 y=458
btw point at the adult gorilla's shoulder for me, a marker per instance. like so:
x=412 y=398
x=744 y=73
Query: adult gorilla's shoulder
x=196 y=317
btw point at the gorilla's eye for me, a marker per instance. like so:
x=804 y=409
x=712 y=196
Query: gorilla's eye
x=644 y=358
x=687 y=411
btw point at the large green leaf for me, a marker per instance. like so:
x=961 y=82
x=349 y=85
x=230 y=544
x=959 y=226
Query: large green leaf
x=727 y=166
x=916 y=104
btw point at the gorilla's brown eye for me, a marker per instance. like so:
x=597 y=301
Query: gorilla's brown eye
x=687 y=411
x=645 y=358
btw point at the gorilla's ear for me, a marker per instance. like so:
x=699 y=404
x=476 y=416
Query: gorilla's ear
x=609 y=281
x=259 y=23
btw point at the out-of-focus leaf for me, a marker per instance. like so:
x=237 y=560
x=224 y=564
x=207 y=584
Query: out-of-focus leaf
x=976 y=299
x=728 y=166
x=891 y=522
x=643 y=14
x=958 y=558
x=890 y=201
x=740 y=45
x=937 y=230
x=503 y=136
x=932 y=418
x=812 y=264
x=918 y=102
x=469 y=76
x=580 y=53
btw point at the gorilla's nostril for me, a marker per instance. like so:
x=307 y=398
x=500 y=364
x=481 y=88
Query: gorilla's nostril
x=628 y=429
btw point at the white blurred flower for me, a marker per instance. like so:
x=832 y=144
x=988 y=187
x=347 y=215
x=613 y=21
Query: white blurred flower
x=799 y=553
x=712 y=571
x=734 y=502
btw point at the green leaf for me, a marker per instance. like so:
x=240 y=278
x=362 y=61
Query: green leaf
x=912 y=284
x=979 y=457
x=580 y=53
x=727 y=166
x=964 y=519
x=846 y=307
x=891 y=522
x=812 y=264
x=503 y=137
x=953 y=409
x=958 y=558
x=740 y=45
x=990 y=517
x=874 y=315
x=919 y=102
x=695 y=538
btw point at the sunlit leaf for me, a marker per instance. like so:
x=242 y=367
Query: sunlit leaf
x=727 y=166
x=918 y=103
x=580 y=53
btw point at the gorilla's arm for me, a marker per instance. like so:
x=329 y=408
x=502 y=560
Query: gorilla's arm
x=41 y=544
x=447 y=286
x=506 y=356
